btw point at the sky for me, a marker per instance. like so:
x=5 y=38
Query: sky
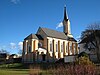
x=19 y=18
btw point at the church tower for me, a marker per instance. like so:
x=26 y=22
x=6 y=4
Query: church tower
x=66 y=23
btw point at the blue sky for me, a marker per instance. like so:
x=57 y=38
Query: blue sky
x=19 y=18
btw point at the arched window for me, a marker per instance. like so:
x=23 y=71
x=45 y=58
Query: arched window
x=50 y=46
x=29 y=48
x=66 y=49
x=70 y=47
x=56 y=47
x=75 y=48
x=39 y=44
x=61 y=47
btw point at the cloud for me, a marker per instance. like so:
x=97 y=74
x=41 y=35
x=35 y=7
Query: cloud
x=12 y=45
x=78 y=38
x=59 y=25
x=15 y=1
x=20 y=45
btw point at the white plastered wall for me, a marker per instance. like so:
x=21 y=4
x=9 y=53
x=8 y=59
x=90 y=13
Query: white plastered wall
x=56 y=41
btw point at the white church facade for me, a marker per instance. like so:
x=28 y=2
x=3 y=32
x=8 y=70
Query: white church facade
x=49 y=45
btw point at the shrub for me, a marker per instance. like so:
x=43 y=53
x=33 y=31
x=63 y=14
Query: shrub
x=82 y=66
x=35 y=71
x=84 y=61
x=83 y=54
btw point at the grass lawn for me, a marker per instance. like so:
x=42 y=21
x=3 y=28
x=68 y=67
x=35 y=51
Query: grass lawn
x=14 y=72
x=13 y=69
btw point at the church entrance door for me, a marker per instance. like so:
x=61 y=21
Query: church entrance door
x=43 y=57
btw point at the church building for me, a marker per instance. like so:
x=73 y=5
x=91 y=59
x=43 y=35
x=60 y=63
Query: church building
x=49 y=45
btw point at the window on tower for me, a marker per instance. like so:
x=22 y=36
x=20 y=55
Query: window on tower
x=29 y=48
x=39 y=44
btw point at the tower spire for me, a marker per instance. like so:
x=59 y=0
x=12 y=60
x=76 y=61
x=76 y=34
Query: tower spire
x=65 y=13
x=66 y=23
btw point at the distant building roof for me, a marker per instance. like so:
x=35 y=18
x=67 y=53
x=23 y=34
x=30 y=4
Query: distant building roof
x=87 y=38
x=71 y=39
x=13 y=55
x=84 y=40
x=3 y=55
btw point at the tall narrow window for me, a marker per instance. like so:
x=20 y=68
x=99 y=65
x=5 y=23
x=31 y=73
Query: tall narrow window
x=50 y=46
x=39 y=44
x=56 y=47
x=75 y=48
x=61 y=47
x=66 y=49
x=29 y=48
x=70 y=46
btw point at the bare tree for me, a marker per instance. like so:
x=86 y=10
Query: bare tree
x=91 y=38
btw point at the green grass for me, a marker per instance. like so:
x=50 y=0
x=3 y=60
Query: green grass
x=13 y=66
x=14 y=72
